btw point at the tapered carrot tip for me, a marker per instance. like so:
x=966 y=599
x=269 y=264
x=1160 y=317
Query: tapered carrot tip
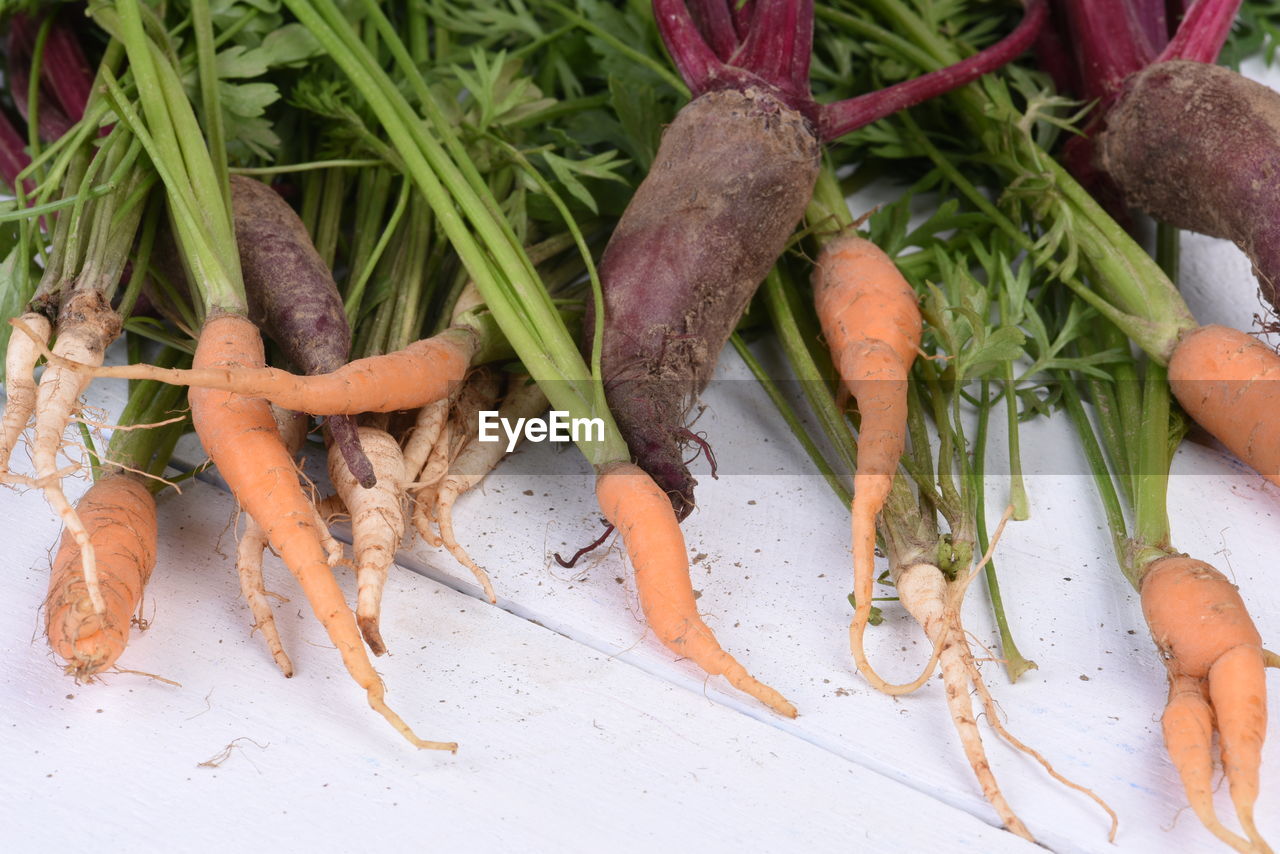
x=746 y=683
x=1238 y=690
x=379 y=705
x=639 y=509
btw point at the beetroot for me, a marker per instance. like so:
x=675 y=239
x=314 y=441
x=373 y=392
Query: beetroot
x=731 y=179
x=1198 y=146
x=293 y=298
x=1191 y=144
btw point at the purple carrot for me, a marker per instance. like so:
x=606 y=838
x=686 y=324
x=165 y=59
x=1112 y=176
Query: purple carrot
x=293 y=298
x=732 y=177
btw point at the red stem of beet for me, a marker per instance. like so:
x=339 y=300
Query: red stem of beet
x=696 y=62
x=835 y=120
x=1054 y=57
x=742 y=15
x=1153 y=19
x=768 y=52
x=13 y=154
x=1109 y=44
x=715 y=22
x=802 y=48
x=1203 y=31
x=53 y=122
x=66 y=71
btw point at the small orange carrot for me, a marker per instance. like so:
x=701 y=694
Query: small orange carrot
x=242 y=439
x=1213 y=653
x=635 y=505
x=119 y=517
x=1229 y=382
x=873 y=326
x=419 y=374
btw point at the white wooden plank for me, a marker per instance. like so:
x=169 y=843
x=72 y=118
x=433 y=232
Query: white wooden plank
x=563 y=748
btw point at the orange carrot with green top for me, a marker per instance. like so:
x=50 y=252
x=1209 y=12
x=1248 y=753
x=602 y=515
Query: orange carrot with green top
x=873 y=326
x=241 y=438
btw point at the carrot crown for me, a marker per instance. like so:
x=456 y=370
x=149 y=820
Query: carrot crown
x=720 y=44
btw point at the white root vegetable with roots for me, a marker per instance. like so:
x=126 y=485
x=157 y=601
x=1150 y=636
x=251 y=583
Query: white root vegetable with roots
x=377 y=523
x=20 y=382
x=935 y=603
x=86 y=327
x=524 y=400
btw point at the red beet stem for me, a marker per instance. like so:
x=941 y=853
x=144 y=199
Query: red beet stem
x=1109 y=45
x=836 y=120
x=1153 y=18
x=1203 y=31
x=13 y=155
x=66 y=71
x=695 y=61
x=715 y=23
x=769 y=50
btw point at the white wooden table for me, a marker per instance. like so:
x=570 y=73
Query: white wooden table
x=578 y=731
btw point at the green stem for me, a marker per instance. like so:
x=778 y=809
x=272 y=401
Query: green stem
x=1015 y=664
x=793 y=421
x=1101 y=476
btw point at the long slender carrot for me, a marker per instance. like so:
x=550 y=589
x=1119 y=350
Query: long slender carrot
x=406 y=379
x=292 y=427
x=241 y=438
x=19 y=382
x=1216 y=674
x=873 y=326
x=119 y=517
x=1228 y=382
x=635 y=505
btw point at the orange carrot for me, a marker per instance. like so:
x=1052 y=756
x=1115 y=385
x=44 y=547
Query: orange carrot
x=406 y=379
x=873 y=327
x=642 y=513
x=1229 y=382
x=241 y=438
x=1214 y=657
x=119 y=516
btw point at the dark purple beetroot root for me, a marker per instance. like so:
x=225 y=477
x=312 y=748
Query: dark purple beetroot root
x=1198 y=146
x=293 y=298
x=731 y=179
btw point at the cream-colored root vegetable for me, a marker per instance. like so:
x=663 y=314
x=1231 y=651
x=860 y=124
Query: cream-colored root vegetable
x=377 y=524
x=425 y=435
x=20 y=382
x=480 y=391
x=86 y=327
x=524 y=400
x=935 y=603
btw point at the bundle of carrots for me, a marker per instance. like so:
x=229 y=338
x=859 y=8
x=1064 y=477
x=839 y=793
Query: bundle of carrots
x=394 y=219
